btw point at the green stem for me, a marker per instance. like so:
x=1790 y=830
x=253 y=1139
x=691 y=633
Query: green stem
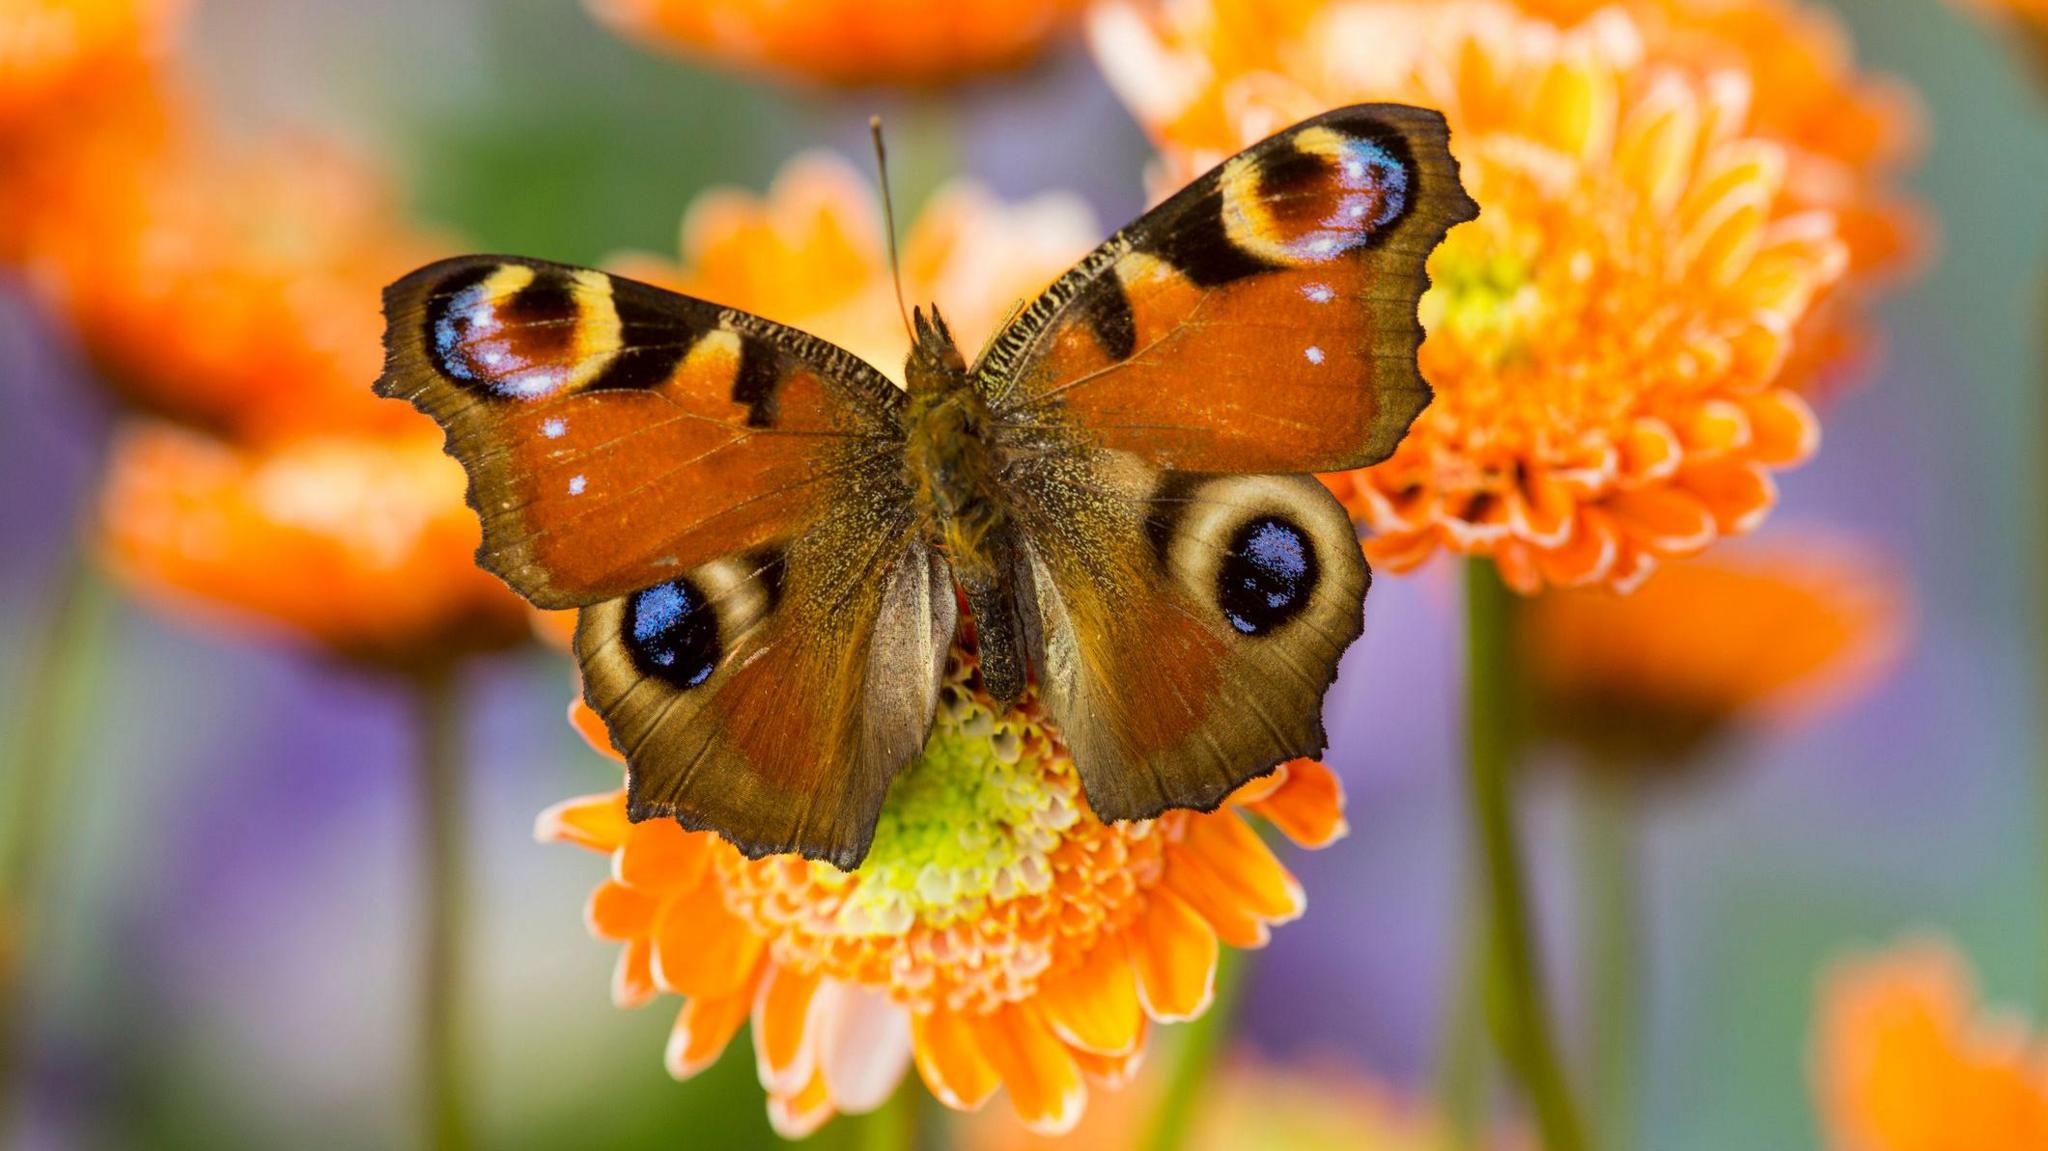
x=1201 y=1048
x=897 y=1124
x=1520 y=1019
x=445 y=910
x=66 y=654
x=1613 y=947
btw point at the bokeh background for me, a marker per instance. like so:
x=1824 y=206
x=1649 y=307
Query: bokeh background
x=231 y=938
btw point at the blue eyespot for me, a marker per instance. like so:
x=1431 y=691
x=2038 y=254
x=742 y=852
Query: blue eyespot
x=672 y=633
x=1268 y=575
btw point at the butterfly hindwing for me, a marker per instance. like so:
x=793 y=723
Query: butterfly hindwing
x=1262 y=319
x=615 y=434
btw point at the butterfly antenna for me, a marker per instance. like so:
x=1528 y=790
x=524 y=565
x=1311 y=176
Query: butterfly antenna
x=889 y=222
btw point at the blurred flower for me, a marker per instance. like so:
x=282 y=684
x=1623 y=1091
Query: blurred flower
x=811 y=253
x=361 y=544
x=1645 y=679
x=1906 y=1060
x=1612 y=341
x=54 y=52
x=1249 y=1106
x=848 y=41
x=997 y=935
x=233 y=288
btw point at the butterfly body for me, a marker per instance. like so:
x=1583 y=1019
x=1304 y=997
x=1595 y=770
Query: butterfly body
x=770 y=541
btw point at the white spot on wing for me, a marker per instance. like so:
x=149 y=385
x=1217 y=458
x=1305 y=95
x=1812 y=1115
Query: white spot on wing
x=1319 y=293
x=1314 y=354
x=554 y=427
x=576 y=485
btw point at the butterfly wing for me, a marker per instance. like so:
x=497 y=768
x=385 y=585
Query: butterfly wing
x=762 y=629
x=615 y=434
x=1262 y=320
x=1192 y=587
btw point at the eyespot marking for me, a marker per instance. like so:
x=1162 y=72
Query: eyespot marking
x=672 y=633
x=1268 y=575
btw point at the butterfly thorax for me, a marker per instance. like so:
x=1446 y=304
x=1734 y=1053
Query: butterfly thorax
x=954 y=470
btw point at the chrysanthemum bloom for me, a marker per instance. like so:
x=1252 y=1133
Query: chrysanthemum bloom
x=233 y=288
x=848 y=41
x=1905 y=1059
x=1250 y=1105
x=1609 y=341
x=812 y=254
x=362 y=545
x=1748 y=636
x=997 y=936
x=52 y=51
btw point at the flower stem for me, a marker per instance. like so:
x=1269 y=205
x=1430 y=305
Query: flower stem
x=1519 y=1017
x=445 y=909
x=1202 y=1045
x=895 y=1125
x=1608 y=865
x=1461 y=1074
x=67 y=653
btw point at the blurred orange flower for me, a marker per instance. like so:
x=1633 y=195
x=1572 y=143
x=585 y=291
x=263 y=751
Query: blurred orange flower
x=997 y=935
x=811 y=253
x=1249 y=1105
x=1645 y=678
x=1906 y=1059
x=1611 y=341
x=361 y=544
x=848 y=41
x=53 y=52
x=233 y=288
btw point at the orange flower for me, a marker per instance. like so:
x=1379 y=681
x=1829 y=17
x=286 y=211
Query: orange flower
x=997 y=935
x=1250 y=1106
x=811 y=253
x=848 y=41
x=363 y=545
x=1610 y=340
x=1706 y=644
x=1906 y=1059
x=54 y=51
x=232 y=288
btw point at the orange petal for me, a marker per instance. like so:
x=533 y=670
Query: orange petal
x=1587 y=556
x=1649 y=451
x=1665 y=520
x=950 y=1061
x=1738 y=495
x=615 y=911
x=1174 y=951
x=702 y=1029
x=1714 y=428
x=659 y=856
x=1309 y=807
x=1237 y=854
x=597 y=822
x=800 y=1114
x=1783 y=429
x=1516 y=563
x=1400 y=551
x=1094 y=1005
x=700 y=948
x=1191 y=878
x=1115 y=1071
x=1045 y=1083
x=633 y=975
x=781 y=1018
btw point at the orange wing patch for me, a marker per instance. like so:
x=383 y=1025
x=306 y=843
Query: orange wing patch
x=616 y=434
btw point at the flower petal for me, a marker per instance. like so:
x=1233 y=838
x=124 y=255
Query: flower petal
x=633 y=975
x=1045 y=1083
x=1309 y=807
x=597 y=822
x=590 y=726
x=1094 y=1005
x=863 y=1042
x=782 y=1012
x=959 y=1075
x=659 y=856
x=702 y=1029
x=1665 y=520
x=1244 y=862
x=799 y=1115
x=700 y=948
x=1190 y=877
x=1783 y=429
x=1174 y=951
x=615 y=911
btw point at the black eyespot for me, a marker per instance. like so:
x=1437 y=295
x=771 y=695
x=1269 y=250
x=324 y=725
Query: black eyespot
x=672 y=633
x=1267 y=576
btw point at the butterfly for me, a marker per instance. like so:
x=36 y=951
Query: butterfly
x=770 y=542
